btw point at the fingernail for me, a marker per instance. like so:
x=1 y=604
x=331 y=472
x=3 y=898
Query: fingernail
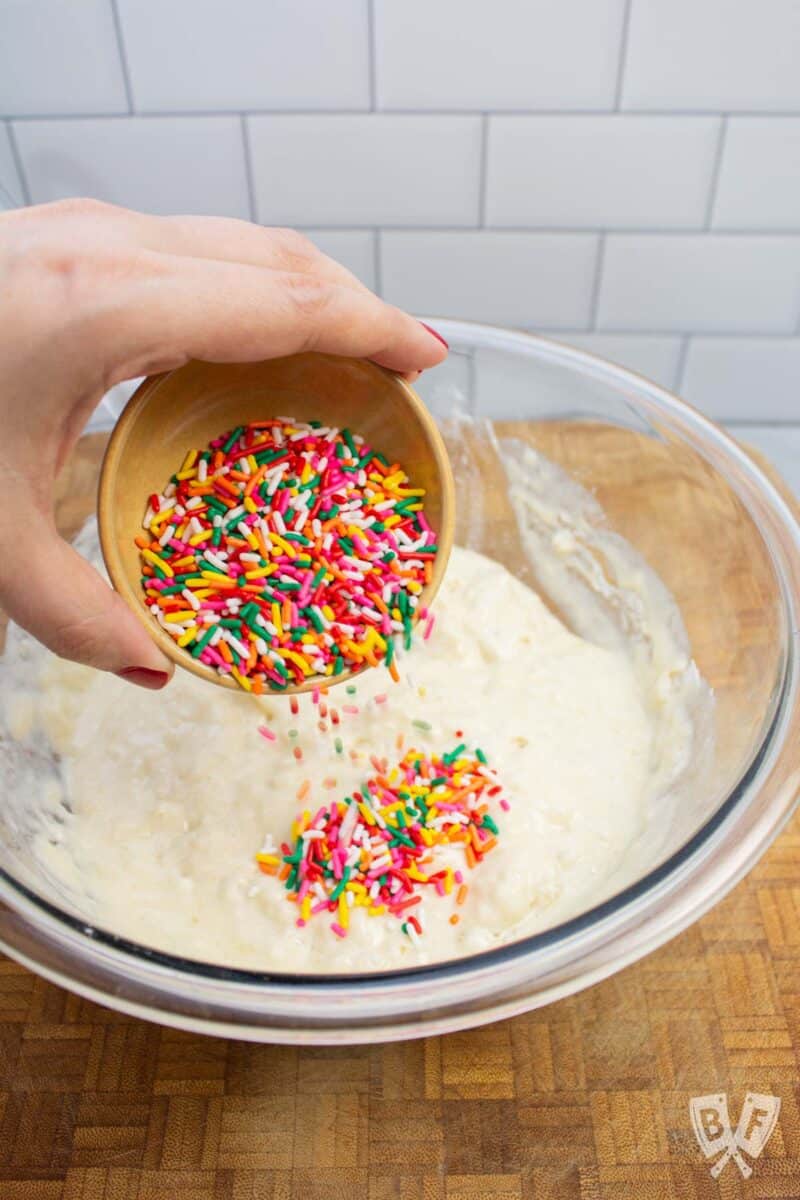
x=144 y=677
x=438 y=336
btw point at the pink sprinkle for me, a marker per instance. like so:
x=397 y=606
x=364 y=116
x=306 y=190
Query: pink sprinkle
x=459 y=878
x=429 y=627
x=267 y=733
x=300 y=922
x=350 y=708
x=506 y=807
x=382 y=698
x=337 y=929
x=315 y=695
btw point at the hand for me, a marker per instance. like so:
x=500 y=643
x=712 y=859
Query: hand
x=90 y=295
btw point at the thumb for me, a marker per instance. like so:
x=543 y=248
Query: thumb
x=48 y=589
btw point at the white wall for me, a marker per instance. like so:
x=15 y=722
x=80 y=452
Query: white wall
x=622 y=173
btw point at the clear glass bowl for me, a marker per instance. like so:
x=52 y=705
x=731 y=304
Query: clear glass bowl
x=732 y=562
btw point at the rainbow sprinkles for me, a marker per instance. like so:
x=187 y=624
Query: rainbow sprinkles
x=376 y=849
x=286 y=551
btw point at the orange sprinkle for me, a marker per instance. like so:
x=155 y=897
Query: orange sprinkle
x=304 y=789
x=461 y=894
x=470 y=856
x=454 y=919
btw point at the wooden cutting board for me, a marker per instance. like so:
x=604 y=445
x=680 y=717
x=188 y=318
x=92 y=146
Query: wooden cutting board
x=585 y=1099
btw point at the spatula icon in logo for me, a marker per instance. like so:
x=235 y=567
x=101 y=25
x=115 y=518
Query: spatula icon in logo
x=712 y=1128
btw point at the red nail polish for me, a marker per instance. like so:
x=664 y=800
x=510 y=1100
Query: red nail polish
x=144 y=677
x=438 y=336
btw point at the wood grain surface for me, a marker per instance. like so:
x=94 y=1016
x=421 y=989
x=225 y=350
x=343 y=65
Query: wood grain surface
x=584 y=1100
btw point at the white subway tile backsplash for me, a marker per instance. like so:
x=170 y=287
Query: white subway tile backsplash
x=10 y=182
x=353 y=248
x=523 y=279
x=372 y=169
x=753 y=378
x=708 y=283
x=59 y=57
x=201 y=55
x=713 y=54
x=590 y=171
x=159 y=164
x=506 y=54
x=656 y=358
x=759 y=182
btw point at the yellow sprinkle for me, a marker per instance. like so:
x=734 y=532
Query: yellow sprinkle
x=276 y=618
x=393 y=480
x=305 y=908
x=256 y=573
x=185 y=474
x=377 y=911
x=287 y=547
x=188 y=636
x=197 y=538
x=252 y=463
x=269 y=860
x=366 y=814
x=391 y=521
x=190 y=460
x=327 y=612
x=185 y=614
x=158 y=562
x=242 y=680
x=218 y=578
x=344 y=912
x=296 y=658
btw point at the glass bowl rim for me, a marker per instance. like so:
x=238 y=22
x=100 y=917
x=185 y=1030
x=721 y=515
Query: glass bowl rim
x=657 y=401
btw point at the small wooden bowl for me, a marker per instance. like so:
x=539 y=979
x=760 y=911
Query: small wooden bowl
x=184 y=409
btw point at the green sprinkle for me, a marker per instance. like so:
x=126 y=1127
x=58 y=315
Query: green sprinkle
x=488 y=823
x=351 y=689
x=425 y=726
x=481 y=757
x=337 y=742
x=237 y=433
x=199 y=647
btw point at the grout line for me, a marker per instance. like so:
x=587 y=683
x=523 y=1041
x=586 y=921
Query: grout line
x=623 y=54
x=483 y=181
x=557 y=231
x=716 y=172
x=123 y=56
x=376 y=255
x=761 y=422
x=596 y=283
x=680 y=369
x=248 y=169
x=311 y=111
x=372 y=55
x=17 y=157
